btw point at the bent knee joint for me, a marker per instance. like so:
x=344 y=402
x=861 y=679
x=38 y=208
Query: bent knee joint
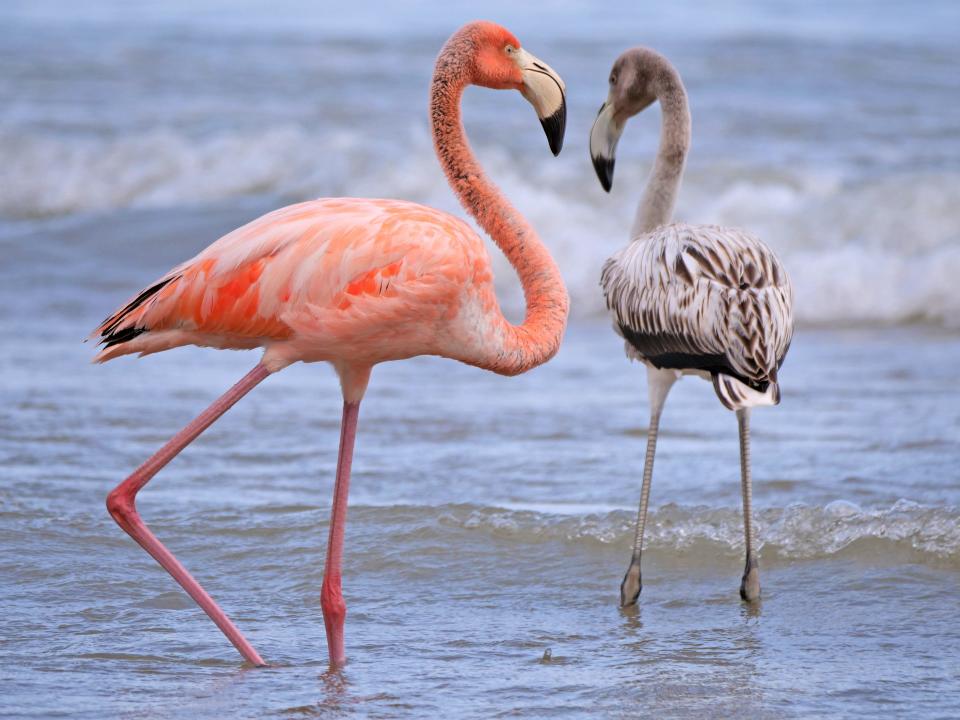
x=121 y=504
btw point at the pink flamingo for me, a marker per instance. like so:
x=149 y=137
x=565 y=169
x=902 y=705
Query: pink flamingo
x=356 y=282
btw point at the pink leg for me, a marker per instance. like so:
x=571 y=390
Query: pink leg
x=331 y=596
x=121 y=503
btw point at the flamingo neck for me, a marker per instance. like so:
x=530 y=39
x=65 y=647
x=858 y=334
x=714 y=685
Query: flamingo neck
x=660 y=194
x=511 y=349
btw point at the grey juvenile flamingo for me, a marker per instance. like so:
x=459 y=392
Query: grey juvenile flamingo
x=688 y=299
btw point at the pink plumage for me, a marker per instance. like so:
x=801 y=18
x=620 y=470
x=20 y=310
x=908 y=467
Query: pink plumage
x=344 y=279
x=357 y=282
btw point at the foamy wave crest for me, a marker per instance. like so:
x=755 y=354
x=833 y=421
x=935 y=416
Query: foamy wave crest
x=43 y=176
x=928 y=534
x=876 y=250
x=883 y=250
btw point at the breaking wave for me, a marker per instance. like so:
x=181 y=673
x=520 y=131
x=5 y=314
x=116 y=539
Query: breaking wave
x=797 y=532
x=879 y=250
x=904 y=532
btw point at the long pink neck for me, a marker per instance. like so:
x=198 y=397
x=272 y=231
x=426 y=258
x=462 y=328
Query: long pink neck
x=517 y=347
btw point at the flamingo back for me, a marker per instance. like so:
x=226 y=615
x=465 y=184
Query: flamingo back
x=346 y=271
x=704 y=298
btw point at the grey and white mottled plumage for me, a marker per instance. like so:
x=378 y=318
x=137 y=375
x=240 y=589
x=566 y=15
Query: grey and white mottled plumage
x=708 y=300
x=688 y=299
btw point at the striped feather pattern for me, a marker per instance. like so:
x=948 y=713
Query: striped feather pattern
x=703 y=297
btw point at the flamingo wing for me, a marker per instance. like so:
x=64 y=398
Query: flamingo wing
x=705 y=298
x=314 y=268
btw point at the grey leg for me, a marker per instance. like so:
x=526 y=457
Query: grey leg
x=659 y=383
x=750 y=585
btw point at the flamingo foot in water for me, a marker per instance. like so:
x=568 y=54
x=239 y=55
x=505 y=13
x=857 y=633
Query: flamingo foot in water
x=631 y=586
x=750 y=585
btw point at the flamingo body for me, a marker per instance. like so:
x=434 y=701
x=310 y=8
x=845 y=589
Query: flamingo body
x=704 y=300
x=343 y=279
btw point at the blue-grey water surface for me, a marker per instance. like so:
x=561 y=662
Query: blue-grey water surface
x=491 y=518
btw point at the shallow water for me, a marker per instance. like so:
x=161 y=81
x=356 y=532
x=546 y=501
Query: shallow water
x=489 y=527
x=490 y=518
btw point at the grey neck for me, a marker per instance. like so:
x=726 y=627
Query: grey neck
x=660 y=194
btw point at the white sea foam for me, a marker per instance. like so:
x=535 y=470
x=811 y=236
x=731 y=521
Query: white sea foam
x=791 y=533
x=884 y=250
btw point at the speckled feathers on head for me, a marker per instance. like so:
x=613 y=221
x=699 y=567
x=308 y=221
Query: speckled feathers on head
x=478 y=47
x=638 y=78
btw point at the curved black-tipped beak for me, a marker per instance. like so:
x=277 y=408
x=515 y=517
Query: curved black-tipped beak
x=603 y=144
x=544 y=89
x=604 y=168
x=555 y=127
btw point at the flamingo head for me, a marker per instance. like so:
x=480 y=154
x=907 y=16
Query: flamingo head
x=499 y=62
x=636 y=80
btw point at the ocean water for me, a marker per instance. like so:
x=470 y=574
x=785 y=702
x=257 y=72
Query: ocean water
x=490 y=518
x=830 y=130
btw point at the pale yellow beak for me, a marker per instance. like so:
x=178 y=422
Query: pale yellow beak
x=544 y=89
x=604 y=136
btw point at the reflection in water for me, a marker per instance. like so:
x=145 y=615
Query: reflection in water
x=633 y=616
x=335 y=687
x=751 y=610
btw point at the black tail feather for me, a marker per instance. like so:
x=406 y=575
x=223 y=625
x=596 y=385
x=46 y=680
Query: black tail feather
x=122 y=336
x=108 y=334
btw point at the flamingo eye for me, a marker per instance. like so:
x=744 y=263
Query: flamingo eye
x=613 y=78
x=509 y=49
